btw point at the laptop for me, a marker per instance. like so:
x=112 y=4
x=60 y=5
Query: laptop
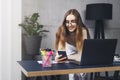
x=97 y=52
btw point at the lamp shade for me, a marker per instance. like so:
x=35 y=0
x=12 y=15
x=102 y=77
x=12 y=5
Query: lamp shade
x=99 y=11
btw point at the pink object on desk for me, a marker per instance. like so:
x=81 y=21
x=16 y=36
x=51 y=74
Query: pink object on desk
x=47 y=59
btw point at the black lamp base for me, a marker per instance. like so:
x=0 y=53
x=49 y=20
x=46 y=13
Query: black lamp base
x=99 y=30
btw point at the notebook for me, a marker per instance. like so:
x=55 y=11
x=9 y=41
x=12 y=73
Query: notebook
x=97 y=52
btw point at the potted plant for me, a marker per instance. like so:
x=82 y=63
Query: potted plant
x=33 y=33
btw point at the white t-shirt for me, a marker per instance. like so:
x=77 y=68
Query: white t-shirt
x=72 y=52
x=70 y=49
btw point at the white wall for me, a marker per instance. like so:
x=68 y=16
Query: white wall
x=0 y=37
x=11 y=40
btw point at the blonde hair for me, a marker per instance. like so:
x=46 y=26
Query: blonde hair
x=62 y=31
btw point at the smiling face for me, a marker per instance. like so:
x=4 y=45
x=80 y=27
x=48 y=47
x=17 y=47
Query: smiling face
x=71 y=23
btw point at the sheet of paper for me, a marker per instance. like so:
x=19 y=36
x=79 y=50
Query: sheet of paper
x=54 y=62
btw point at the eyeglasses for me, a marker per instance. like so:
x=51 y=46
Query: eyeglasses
x=72 y=22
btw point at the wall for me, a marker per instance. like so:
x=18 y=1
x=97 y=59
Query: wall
x=0 y=37
x=52 y=13
x=10 y=39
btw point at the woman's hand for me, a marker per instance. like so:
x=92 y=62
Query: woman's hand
x=60 y=59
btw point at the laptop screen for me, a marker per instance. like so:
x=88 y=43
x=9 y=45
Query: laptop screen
x=98 y=51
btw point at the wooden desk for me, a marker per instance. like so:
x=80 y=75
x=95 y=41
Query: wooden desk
x=32 y=68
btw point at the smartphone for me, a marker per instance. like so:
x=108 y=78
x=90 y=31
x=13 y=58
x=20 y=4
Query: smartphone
x=63 y=53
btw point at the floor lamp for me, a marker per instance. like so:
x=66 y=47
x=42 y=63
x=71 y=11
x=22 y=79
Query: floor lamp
x=99 y=12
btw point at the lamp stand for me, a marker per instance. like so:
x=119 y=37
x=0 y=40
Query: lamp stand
x=99 y=34
x=99 y=30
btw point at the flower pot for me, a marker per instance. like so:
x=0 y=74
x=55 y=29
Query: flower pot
x=32 y=44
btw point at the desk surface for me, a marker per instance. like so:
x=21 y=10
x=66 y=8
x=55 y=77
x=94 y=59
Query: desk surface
x=32 y=68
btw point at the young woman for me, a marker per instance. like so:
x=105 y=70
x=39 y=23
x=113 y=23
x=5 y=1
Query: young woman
x=70 y=36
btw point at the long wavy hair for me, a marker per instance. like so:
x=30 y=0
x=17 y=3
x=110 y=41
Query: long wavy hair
x=62 y=31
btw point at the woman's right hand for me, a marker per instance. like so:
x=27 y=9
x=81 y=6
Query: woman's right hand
x=60 y=59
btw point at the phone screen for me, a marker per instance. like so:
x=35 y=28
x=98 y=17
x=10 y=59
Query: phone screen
x=63 y=53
